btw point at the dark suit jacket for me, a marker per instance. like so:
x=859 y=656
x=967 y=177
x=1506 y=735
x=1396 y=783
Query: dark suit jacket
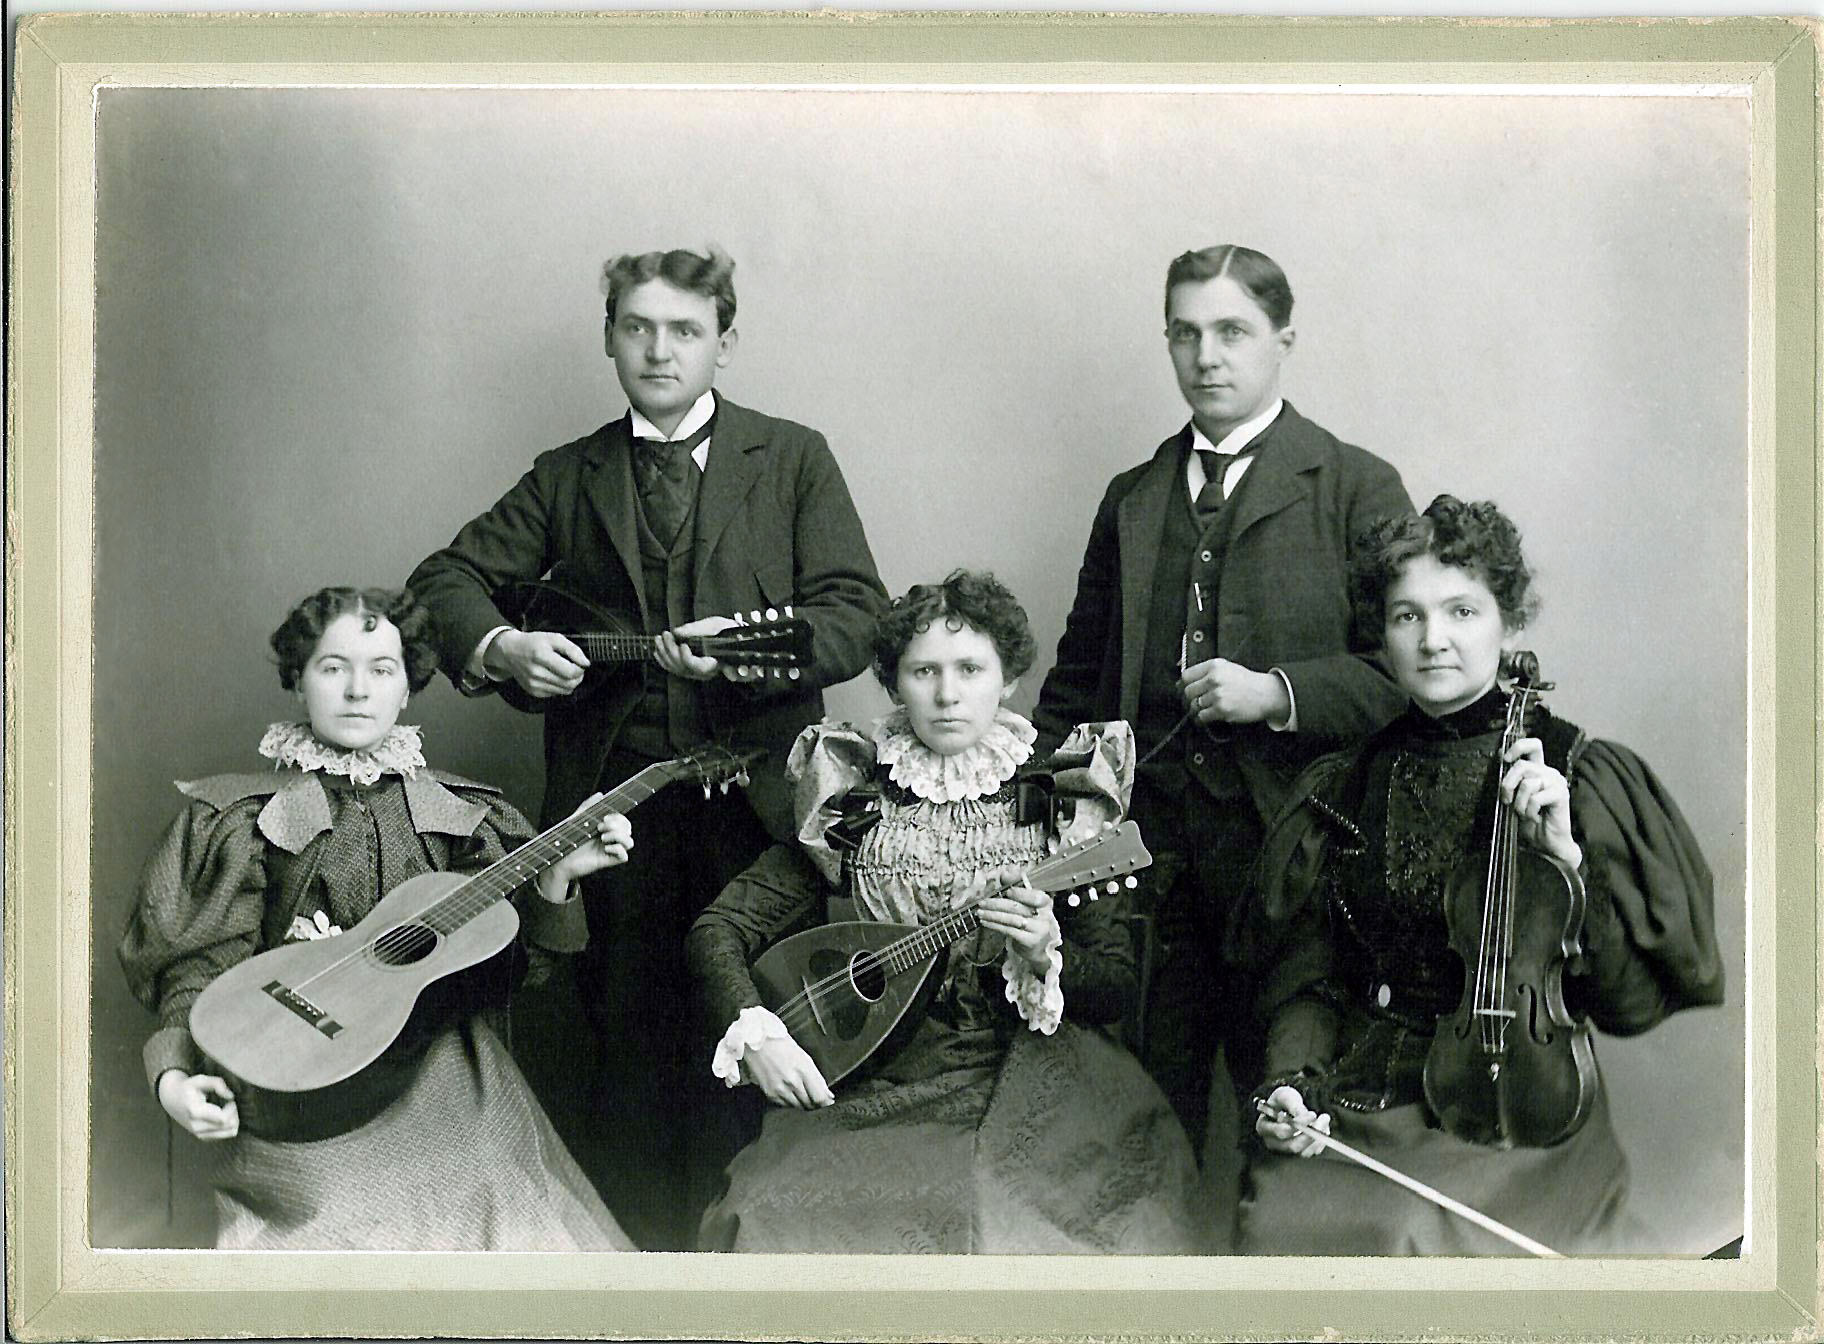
x=774 y=525
x=1282 y=601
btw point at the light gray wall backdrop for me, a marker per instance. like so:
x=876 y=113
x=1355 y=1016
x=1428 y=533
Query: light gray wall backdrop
x=335 y=324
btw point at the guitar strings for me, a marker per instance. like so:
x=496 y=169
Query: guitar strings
x=476 y=894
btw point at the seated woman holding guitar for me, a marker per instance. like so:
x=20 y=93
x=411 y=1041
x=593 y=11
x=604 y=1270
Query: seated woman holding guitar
x=463 y=1158
x=1439 y=918
x=985 y=1120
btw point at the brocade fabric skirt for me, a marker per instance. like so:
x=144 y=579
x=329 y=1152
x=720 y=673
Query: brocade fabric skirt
x=466 y=1160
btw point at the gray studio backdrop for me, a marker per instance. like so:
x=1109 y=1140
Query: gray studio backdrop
x=334 y=324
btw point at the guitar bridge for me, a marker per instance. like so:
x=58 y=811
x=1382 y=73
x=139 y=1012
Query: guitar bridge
x=289 y=998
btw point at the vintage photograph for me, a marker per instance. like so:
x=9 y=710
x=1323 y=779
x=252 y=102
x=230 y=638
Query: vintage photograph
x=775 y=540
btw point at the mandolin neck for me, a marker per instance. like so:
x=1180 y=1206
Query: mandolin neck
x=614 y=646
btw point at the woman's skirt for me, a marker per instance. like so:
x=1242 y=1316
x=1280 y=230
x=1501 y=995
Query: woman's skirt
x=464 y=1161
x=1569 y=1197
x=1067 y=1146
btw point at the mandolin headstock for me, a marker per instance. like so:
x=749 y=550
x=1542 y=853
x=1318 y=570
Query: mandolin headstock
x=772 y=640
x=1101 y=864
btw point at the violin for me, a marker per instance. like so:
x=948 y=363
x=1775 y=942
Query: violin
x=1510 y=1066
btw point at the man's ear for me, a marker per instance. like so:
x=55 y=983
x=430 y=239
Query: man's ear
x=725 y=347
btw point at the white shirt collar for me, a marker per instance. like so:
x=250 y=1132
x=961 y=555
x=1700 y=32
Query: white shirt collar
x=694 y=419
x=1235 y=440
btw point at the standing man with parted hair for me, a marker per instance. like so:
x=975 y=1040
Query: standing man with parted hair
x=1212 y=613
x=680 y=514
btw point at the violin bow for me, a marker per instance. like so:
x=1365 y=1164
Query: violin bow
x=1438 y=1197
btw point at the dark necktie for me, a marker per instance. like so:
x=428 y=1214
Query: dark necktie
x=666 y=474
x=1215 y=467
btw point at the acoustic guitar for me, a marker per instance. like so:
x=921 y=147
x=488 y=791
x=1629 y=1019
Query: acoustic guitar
x=772 y=640
x=843 y=989
x=315 y=1038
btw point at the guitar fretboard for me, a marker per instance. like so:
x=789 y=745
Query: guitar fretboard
x=539 y=853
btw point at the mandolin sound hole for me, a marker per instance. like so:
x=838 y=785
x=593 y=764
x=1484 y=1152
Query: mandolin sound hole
x=404 y=944
x=867 y=976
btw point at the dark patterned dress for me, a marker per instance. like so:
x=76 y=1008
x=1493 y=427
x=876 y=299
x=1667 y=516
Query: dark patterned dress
x=996 y=1127
x=465 y=1159
x=1349 y=925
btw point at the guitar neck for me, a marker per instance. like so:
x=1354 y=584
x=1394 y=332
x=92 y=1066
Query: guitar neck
x=539 y=853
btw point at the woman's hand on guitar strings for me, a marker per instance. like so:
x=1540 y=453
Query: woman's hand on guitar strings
x=1285 y=1123
x=543 y=662
x=1024 y=917
x=1541 y=799
x=186 y=1098
x=610 y=847
x=782 y=1071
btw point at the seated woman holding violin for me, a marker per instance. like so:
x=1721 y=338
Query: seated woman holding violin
x=450 y=1151
x=1438 y=920
x=985 y=1118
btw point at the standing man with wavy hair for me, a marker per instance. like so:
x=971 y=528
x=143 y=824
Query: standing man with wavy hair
x=1212 y=614
x=679 y=514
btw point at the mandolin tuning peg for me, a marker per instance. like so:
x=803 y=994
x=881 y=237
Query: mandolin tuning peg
x=1073 y=900
x=1132 y=882
x=771 y=615
x=788 y=612
x=754 y=616
x=792 y=674
x=1113 y=887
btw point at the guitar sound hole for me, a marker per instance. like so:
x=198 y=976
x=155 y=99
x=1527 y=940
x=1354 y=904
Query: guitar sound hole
x=404 y=944
x=867 y=976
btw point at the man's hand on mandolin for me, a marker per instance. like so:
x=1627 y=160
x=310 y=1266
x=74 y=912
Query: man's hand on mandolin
x=781 y=1069
x=543 y=662
x=186 y=1098
x=676 y=658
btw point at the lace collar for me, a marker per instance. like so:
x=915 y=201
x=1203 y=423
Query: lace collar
x=401 y=751
x=973 y=773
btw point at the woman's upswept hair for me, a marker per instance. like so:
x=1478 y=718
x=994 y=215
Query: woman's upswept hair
x=966 y=598
x=1254 y=271
x=295 y=640
x=1476 y=537
x=711 y=275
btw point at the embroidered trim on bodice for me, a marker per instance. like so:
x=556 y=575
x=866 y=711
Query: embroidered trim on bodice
x=293 y=745
x=974 y=772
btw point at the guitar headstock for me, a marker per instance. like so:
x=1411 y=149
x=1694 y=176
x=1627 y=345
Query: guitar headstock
x=714 y=767
x=1099 y=864
x=768 y=640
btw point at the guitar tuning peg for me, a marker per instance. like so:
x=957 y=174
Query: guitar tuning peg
x=1132 y=882
x=706 y=790
x=1073 y=900
x=725 y=784
x=742 y=779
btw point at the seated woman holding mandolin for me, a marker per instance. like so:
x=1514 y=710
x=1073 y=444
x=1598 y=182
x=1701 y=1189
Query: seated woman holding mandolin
x=451 y=1152
x=1441 y=916
x=931 y=1092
